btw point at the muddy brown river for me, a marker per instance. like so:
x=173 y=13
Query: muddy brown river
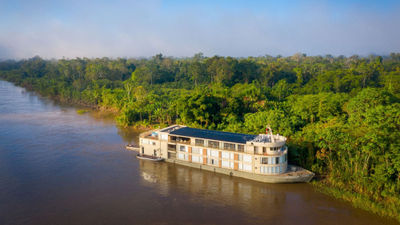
x=59 y=167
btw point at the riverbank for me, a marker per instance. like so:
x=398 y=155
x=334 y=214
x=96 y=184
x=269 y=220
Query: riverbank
x=385 y=209
x=84 y=107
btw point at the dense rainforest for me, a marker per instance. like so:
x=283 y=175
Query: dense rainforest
x=341 y=114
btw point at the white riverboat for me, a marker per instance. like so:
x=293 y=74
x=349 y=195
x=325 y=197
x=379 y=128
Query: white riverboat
x=261 y=157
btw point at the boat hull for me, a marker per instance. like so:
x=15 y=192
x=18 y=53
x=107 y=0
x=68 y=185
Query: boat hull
x=149 y=158
x=294 y=174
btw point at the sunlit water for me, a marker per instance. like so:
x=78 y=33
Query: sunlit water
x=58 y=167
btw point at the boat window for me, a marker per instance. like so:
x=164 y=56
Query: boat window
x=229 y=146
x=172 y=147
x=199 y=142
x=182 y=148
x=264 y=160
x=196 y=151
x=213 y=144
x=172 y=138
x=225 y=155
x=182 y=156
x=275 y=148
x=214 y=153
x=183 y=140
x=247 y=158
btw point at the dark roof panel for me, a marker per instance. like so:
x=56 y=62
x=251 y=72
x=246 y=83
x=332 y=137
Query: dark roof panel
x=213 y=135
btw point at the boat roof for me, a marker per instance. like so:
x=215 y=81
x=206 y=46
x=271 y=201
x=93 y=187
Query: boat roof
x=210 y=134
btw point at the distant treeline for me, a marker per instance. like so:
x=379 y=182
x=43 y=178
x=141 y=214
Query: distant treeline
x=341 y=114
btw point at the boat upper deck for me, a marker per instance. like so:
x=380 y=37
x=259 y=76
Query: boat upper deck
x=212 y=134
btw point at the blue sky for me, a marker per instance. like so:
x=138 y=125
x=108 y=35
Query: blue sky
x=119 y=28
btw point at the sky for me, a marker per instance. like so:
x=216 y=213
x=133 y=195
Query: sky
x=181 y=28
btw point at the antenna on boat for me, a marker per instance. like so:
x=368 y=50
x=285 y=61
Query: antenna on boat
x=268 y=130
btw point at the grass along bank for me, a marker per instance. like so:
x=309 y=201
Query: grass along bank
x=386 y=208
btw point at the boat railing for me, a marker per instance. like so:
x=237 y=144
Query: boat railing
x=152 y=137
x=214 y=146
x=180 y=141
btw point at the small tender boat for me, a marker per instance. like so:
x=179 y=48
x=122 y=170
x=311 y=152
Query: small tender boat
x=149 y=157
x=132 y=147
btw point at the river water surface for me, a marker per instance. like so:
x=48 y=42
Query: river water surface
x=59 y=167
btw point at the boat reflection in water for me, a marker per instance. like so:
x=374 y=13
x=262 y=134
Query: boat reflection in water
x=149 y=177
x=209 y=184
x=202 y=185
x=263 y=203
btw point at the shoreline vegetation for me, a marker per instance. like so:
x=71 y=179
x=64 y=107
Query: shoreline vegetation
x=341 y=114
x=382 y=208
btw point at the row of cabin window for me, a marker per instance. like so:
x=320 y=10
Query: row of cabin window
x=264 y=149
x=215 y=153
x=183 y=148
x=227 y=164
x=230 y=146
x=230 y=165
x=215 y=144
x=271 y=170
x=215 y=162
x=274 y=160
x=226 y=155
x=146 y=141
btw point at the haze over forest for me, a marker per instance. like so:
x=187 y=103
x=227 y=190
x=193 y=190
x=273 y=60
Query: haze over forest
x=57 y=29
